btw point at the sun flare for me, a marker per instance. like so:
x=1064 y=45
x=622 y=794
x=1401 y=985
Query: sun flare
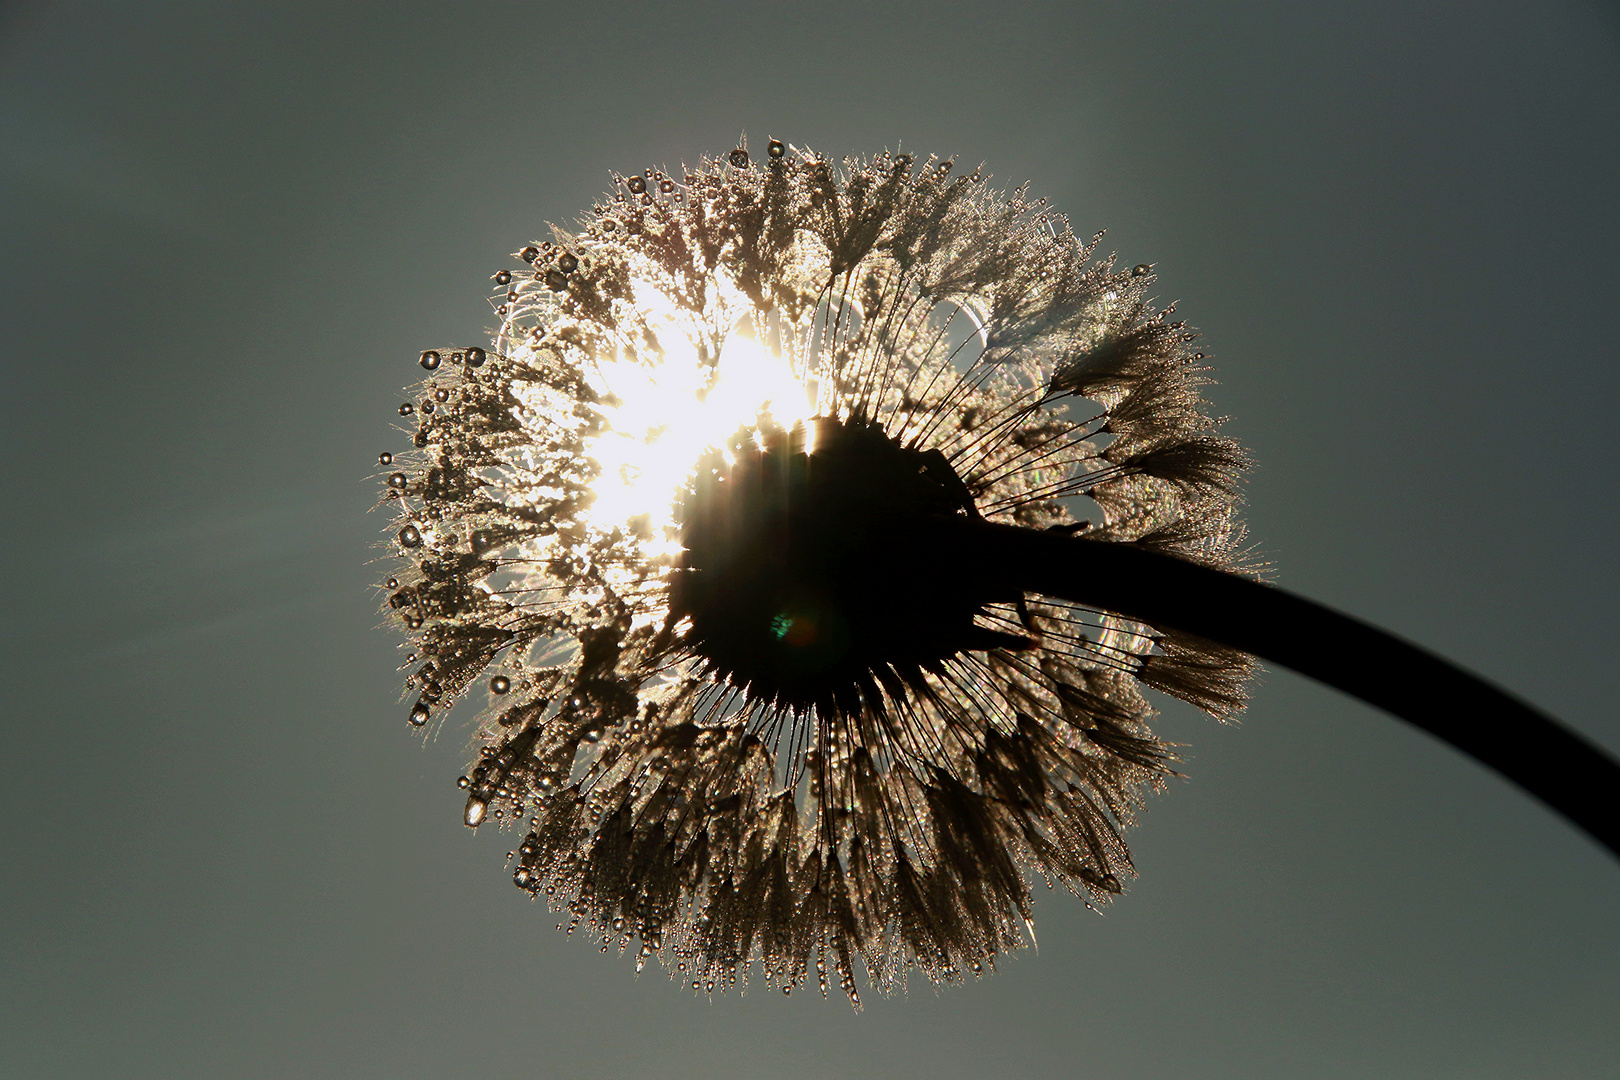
x=665 y=407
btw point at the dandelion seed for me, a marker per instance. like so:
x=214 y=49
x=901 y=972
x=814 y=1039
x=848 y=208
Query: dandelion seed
x=738 y=505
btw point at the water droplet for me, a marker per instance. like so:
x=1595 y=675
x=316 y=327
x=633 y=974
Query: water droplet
x=430 y=360
x=419 y=714
x=441 y=394
x=406 y=409
x=463 y=782
x=556 y=280
x=776 y=148
x=1140 y=270
x=385 y=458
x=410 y=536
x=396 y=480
x=529 y=254
x=500 y=684
x=503 y=277
x=739 y=158
x=393 y=583
x=567 y=263
x=475 y=812
x=636 y=184
x=427 y=408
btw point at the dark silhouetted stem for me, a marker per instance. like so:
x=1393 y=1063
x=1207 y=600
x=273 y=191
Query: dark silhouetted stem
x=1564 y=770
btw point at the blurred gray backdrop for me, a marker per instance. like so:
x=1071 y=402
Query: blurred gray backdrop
x=226 y=230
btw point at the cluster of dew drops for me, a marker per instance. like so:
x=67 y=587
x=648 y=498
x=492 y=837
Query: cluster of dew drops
x=409 y=536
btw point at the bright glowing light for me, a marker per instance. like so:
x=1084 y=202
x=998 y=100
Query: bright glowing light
x=668 y=413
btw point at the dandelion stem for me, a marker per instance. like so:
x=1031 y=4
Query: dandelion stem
x=1570 y=774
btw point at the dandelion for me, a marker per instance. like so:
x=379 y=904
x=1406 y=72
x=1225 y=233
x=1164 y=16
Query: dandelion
x=815 y=530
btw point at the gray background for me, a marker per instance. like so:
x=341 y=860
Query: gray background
x=225 y=232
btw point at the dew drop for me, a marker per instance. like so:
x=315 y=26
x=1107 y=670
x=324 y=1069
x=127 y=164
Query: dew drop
x=410 y=536
x=1140 y=270
x=427 y=408
x=504 y=277
x=463 y=782
x=474 y=814
x=385 y=458
x=406 y=409
x=529 y=254
x=500 y=684
x=475 y=357
x=430 y=360
x=419 y=714
x=666 y=186
x=636 y=184
x=393 y=583
x=739 y=158
x=567 y=263
x=556 y=280
x=396 y=480
x=441 y=394
x=776 y=148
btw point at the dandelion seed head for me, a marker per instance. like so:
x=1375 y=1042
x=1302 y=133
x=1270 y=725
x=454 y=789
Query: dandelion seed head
x=674 y=520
